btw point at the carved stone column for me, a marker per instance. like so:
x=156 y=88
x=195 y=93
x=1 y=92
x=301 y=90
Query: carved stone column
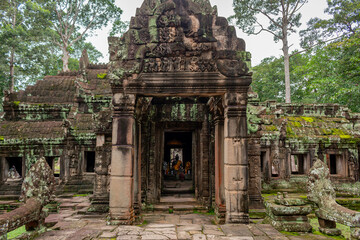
x=137 y=171
x=220 y=208
x=236 y=170
x=254 y=155
x=122 y=160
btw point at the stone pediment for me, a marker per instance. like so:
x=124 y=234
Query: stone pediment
x=173 y=37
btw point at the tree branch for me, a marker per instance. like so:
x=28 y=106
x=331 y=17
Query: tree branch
x=315 y=45
x=265 y=14
x=266 y=30
x=74 y=19
x=86 y=29
x=296 y=8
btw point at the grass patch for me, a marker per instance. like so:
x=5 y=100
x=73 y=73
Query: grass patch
x=81 y=195
x=350 y=203
x=256 y=214
x=290 y=233
x=210 y=212
x=145 y=222
x=17 y=232
x=345 y=230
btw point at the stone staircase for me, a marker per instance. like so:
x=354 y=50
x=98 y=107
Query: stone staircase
x=10 y=190
x=76 y=185
x=178 y=197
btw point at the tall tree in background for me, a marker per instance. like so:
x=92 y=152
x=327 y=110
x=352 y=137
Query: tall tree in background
x=21 y=30
x=283 y=18
x=269 y=74
x=74 y=20
x=333 y=72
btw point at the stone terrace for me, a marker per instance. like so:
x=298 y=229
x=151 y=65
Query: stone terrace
x=71 y=223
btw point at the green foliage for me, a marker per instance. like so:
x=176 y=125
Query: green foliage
x=27 y=39
x=21 y=31
x=74 y=20
x=247 y=14
x=268 y=79
x=17 y=232
x=102 y=75
x=333 y=72
x=283 y=18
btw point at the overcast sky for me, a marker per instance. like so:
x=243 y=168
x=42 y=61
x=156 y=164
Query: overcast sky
x=260 y=46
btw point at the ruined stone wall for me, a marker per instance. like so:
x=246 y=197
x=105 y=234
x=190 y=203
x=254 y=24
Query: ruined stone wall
x=303 y=132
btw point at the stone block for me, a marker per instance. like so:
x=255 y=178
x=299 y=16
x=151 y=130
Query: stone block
x=121 y=161
x=123 y=131
x=288 y=210
x=121 y=193
x=235 y=151
x=330 y=231
x=236 y=178
x=237 y=202
x=235 y=127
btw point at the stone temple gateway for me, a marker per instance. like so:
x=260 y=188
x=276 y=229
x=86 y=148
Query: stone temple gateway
x=174 y=104
x=179 y=53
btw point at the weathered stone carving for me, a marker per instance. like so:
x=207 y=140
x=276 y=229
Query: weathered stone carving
x=288 y=214
x=180 y=35
x=322 y=193
x=37 y=190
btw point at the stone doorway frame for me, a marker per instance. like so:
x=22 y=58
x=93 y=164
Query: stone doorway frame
x=193 y=128
x=233 y=161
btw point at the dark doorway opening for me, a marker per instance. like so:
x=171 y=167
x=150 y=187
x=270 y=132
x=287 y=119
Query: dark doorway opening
x=90 y=161
x=54 y=163
x=177 y=167
x=14 y=168
x=262 y=162
x=333 y=169
x=297 y=164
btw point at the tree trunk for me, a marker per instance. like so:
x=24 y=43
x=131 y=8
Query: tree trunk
x=12 y=70
x=12 y=53
x=65 y=59
x=287 y=67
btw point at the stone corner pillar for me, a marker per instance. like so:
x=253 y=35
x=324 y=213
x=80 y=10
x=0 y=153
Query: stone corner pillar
x=236 y=170
x=220 y=208
x=122 y=160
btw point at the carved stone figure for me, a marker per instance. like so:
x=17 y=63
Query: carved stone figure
x=322 y=193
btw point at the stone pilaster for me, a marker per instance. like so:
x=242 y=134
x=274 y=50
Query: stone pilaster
x=254 y=152
x=220 y=208
x=137 y=171
x=236 y=170
x=122 y=160
x=100 y=200
x=204 y=156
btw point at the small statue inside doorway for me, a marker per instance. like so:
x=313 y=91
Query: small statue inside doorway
x=187 y=168
x=13 y=174
x=177 y=163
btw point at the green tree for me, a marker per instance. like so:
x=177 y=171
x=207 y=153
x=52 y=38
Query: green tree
x=21 y=27
x=283 y=18
x=73 y=21
x=269 y=74
x=333 y=72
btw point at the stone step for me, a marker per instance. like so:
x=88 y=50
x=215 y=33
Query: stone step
x=171 y=191
x=9 y=197
x=178 y=200
x=10 y=192
x=183 y=208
